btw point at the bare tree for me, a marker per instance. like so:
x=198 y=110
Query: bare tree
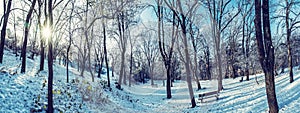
x=183 y=17
x=27 y=28
x=247 y=31
x=104 y=45
x=50 y=59
x=70 y=39
x=6 y=12
x=218 y=10
x=291 y=21
x=232 y=48
x=166 y=51
x=42 y=40
x=266 y=51
x=85 y=44
x=125 y=12
x=195 y=38
x=150 y=50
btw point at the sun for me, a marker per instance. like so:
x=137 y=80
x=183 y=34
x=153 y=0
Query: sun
x=46 y=31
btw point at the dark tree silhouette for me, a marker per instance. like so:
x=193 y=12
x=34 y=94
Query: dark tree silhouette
x=3 y=30
x=165 y=53
x=266 y=51
x=27 y=27
x=50 y=60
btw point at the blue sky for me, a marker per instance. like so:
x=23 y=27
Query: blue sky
x=148 y=15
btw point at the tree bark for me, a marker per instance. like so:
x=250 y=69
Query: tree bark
x=3 y=30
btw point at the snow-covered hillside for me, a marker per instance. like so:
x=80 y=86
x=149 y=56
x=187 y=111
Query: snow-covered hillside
x=27 y=93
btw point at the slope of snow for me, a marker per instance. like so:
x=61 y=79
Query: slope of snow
x=27 y=92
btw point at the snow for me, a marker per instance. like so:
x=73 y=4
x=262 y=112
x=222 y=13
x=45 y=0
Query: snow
x=28 y=92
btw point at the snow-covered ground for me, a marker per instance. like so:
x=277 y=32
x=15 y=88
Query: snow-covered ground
x=28 y=92
x=245 y=97
x=22 y=93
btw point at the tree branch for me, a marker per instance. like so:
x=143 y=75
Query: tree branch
x=231 y=19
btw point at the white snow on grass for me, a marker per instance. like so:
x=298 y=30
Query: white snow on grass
x=27 y=92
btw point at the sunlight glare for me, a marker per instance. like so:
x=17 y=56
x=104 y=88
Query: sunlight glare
x=46 y=32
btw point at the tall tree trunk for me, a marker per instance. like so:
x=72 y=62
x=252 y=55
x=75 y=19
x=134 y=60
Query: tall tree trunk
x=112 y=70
x=168 y=86
x=42 y=40
x=105 y=53
x=78 y=63
x=219 y=62
x=88 y=43
x=187 y=62
x=131 y=61
x=150 y=70
x=121 y=28
x=270 y=83
x=195 y=72
x=50 y=61
x=67 y=62
x=289 y=32
x=152 y=74
x=131 y=65
x=167 y=59
x=121 y=70
x=245 y=43
x=125 y=76
x=216 y=25
x=207 y=66
x=42 y=56
x=247 y=57
x=266 y=52
x=27 y=28
x=70 y=42
x=3 y=30
x=101 y=64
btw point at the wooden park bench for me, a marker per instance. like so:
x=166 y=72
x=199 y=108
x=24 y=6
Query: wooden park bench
x=208 y=95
